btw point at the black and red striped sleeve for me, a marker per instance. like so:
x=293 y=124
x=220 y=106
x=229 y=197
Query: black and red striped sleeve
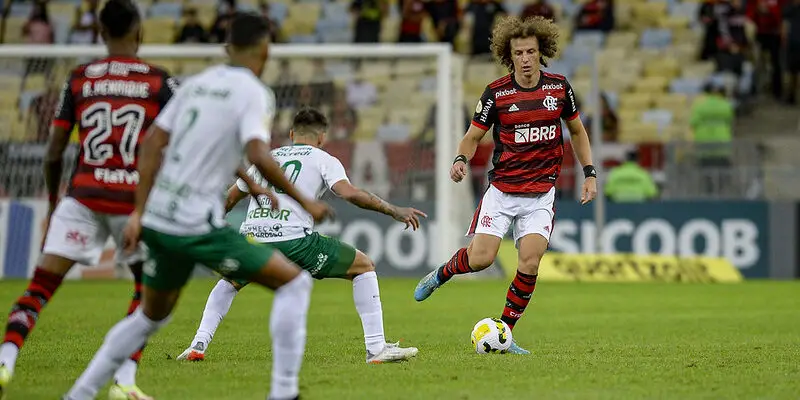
x=168 y=87
x=65 y=112
x=570 y=109
x=485 y=111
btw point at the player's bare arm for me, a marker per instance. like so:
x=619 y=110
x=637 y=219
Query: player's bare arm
x=262 y=194
x=583 y=151
x=53 y=166
x=259 y=155
x=150 y=157
x=466 y=150
x=369 y=201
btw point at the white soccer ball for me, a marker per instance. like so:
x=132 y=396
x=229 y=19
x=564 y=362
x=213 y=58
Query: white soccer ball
x=491 y=335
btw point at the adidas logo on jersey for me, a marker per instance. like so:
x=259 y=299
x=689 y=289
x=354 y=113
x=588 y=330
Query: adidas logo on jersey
x=504 y=93
x=513 y=108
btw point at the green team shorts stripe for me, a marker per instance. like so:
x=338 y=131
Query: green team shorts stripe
x=171 y=259
x=320 y=255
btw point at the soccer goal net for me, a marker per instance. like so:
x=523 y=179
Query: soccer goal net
x=396 y=114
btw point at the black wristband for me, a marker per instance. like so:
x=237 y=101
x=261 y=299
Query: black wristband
x=461 y=158
x=589 y=171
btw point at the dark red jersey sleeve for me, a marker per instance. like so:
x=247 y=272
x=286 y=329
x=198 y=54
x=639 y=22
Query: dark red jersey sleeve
x=168 y=88
x=570 y=109
x=65 y=112
x=485 y=111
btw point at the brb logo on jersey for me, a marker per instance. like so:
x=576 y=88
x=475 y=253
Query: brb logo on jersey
x=525 y=134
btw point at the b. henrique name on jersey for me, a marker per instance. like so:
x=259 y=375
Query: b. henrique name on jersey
x=529 y=146
x=113 y=101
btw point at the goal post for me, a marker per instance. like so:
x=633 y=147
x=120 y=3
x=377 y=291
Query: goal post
x=453 y=203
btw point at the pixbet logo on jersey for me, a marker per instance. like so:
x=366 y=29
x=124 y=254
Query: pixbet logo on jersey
x=551 y=86
x=504 y=93
x=525 y=134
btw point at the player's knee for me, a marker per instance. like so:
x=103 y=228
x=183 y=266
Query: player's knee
x=361 y=265
x=56 y=265
x=235 y=284
x=529 y=263
x=480 y=258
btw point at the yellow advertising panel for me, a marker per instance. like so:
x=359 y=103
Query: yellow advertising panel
x=624 y=267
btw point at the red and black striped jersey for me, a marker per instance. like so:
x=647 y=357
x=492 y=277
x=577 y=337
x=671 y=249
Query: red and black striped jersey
x=528 y=146
x=112 y=101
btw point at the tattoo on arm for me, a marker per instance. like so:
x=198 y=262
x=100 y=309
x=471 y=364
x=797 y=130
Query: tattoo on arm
x=370 y=201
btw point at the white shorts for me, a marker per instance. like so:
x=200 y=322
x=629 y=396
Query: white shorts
x=525 y=214
x=80 y=234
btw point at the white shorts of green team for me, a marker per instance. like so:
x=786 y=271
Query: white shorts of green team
x=524 y=214
x=80 y=234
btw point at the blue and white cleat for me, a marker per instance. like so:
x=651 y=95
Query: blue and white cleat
x=515 y=349
x=427 y=285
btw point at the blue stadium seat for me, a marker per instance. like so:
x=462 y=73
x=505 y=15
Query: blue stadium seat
x=173 y=10
x=613 y=99
x=21 y=9
x=655 y=38
x=687 y=9
x=687 y=86
x=334 y=36
x=577 y=55
x=662 y=118
x=589 y=40
x=278 y=10
x=336 y=11
x=514 y=8
x=561 y=67
x=325 y=25
x=303 y=39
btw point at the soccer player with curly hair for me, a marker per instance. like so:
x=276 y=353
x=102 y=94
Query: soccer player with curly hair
x=524 y=110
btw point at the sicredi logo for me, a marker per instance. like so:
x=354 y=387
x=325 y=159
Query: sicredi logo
x=504 y=93
x=550 y=86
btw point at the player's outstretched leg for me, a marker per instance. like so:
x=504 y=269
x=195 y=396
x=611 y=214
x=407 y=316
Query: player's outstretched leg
x=124 y=386
x=25 y=311
x=367 y=298
x=531 y=249
x=217 y=306
x=287 y=321
x=478 y=256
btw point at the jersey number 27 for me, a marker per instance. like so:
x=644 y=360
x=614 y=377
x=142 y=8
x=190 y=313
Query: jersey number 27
x=103 y=119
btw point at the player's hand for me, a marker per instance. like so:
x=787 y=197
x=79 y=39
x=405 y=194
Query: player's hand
x=589 y=191
x=131 y=232
x=409 y=216
x=458 y=171
x=267 y=199
x=320 y=211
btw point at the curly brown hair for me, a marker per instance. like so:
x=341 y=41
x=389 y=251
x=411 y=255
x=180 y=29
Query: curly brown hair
x=513 y=27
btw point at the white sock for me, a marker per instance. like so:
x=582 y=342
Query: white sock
x=121 y=341
x=126 y=374
x=8 y=356
x=217 y=306
x=367 y=297
x=287 y=326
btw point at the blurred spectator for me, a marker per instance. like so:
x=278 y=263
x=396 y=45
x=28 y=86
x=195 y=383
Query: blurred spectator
x=361 y=93
x=319 y=73
x=712 y=121
x=596 y=15
x=393 y=132
x=343 y=118
x=610 y=121
x=85 y=27
x=192 y=31
x=413 y=13
x=629 y=182
x=370 y=168
x=219 y=29
x=539 y=8
x=446 y=18
x=484 y=13
x=306 y=97
x=42 y=110
x=274 y=26
x=285 y=74
x=766 y=15
x=368 y=14
x=791 y=38
x=38 y=30
x=724 y=22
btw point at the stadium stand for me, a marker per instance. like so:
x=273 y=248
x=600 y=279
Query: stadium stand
x=649 y=71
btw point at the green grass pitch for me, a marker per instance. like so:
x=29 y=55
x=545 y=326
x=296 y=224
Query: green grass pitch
x=590 y=341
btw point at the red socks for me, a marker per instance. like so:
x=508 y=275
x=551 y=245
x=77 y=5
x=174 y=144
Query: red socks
x=518 y=297
x=26 y=310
